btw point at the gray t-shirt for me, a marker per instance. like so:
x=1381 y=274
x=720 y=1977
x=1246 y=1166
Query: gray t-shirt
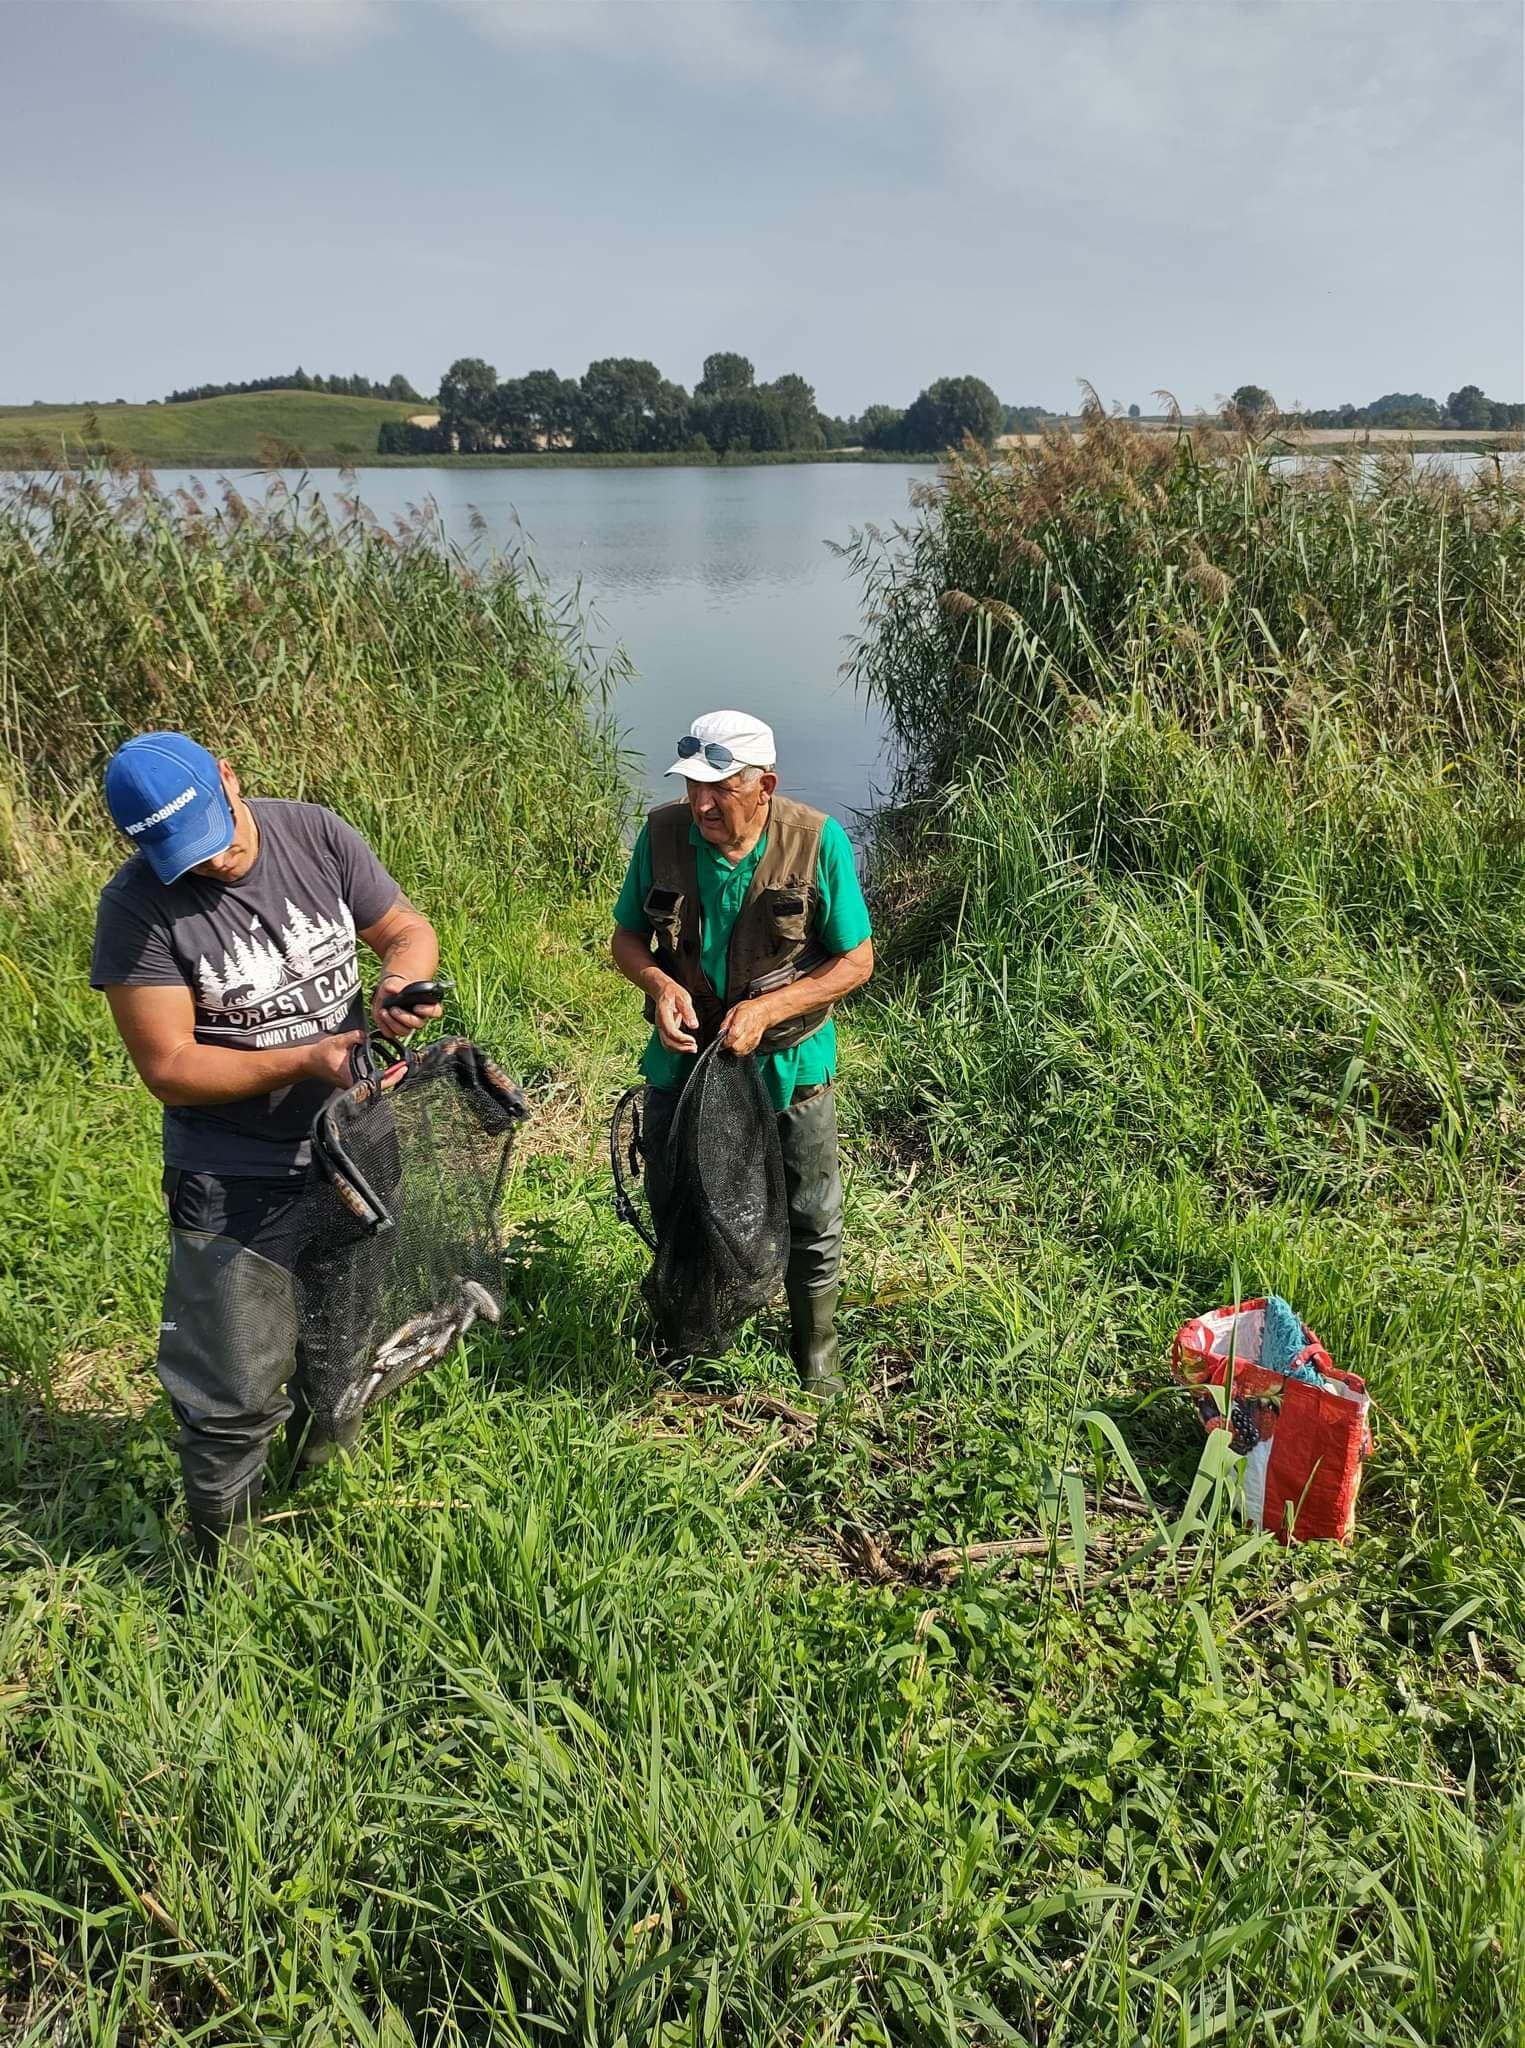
x=269 y=960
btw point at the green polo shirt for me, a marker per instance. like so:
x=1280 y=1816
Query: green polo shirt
x=840 y=922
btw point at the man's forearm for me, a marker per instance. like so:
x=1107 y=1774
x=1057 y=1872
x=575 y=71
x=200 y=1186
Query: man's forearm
x=632 y=956
x=412 y=956
x=195 y=1075
x=829 y=983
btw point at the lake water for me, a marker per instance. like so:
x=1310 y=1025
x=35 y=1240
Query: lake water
x=718 y=583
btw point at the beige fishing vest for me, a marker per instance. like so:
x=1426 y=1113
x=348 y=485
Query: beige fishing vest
x=771 y=943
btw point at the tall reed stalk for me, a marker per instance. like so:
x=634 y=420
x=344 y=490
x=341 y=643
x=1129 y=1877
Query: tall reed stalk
x=1251 y=602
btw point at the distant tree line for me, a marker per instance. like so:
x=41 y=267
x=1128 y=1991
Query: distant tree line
x=1032 y=419
x=298 y=380
x=1469 y=409
x=624 y=405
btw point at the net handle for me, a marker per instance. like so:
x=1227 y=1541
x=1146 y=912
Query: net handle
x=366 y=1069
x=354 y=1190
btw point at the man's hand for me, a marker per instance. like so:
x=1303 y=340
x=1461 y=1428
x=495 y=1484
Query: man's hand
x=399 y=1023
x=677 y=1019
x=744 y=1024
x=404 y=943
x=329 y=1058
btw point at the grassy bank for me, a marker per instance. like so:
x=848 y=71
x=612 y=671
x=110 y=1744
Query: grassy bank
x=271 y=454
x=241 y=431
x=574 y=1709
x=1211 y=876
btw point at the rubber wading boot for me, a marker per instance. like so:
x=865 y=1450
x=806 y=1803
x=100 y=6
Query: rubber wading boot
x=813 y=1340
x=225 y=1536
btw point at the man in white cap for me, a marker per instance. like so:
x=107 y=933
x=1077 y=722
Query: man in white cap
x=741 y=917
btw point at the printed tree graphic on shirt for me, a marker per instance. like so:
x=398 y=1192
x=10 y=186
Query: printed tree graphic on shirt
x=260 y=969
x=304 y=935
x=260 y=965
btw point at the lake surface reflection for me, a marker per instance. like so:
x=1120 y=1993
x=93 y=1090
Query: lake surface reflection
x=718 y=583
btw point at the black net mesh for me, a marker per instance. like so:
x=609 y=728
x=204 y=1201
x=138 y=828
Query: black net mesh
x=402 y=1249
x=723 y=1228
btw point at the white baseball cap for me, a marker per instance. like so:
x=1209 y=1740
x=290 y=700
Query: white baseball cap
x=719 y=743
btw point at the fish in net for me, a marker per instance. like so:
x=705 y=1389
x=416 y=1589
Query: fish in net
x=723 y=1218
x=403 y=1249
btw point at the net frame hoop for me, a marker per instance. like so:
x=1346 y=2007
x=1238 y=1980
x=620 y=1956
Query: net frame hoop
x=334 y=1158
x=624 y=1169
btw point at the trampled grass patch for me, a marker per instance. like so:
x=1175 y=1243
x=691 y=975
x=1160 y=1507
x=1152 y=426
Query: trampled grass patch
x=585 y=1705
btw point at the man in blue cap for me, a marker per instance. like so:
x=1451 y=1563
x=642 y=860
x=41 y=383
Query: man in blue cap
x=226 y=949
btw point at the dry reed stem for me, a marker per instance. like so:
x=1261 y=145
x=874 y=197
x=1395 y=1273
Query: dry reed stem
x=770 y=1451
x=737 y=1411
x=320 y=1507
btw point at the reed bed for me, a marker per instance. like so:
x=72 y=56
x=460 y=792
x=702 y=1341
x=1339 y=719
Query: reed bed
x=580 y=1707
x=1254 y=604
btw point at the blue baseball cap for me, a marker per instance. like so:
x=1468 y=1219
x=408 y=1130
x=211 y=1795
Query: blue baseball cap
x=166 y=793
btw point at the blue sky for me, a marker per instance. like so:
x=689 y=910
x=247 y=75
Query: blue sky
x=1323 y=196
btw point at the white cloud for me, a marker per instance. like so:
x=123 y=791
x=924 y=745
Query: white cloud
x=736 y=37
x=801 y=47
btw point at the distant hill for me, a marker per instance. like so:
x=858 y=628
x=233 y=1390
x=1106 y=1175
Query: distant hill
x=248 y=428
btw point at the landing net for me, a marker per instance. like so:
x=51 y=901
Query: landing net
x=723 y=1231
x=404 y=1249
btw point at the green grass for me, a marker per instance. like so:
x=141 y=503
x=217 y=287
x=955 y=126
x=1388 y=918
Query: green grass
x=571 y=1710
x=249 y=428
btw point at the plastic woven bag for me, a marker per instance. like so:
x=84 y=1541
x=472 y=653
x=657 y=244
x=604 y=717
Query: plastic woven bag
x=1304 y=1432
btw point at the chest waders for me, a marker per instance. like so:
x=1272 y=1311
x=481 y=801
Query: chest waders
x=771 y=946
x=318 y=1295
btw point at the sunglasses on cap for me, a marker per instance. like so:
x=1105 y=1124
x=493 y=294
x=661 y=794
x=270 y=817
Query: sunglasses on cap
x=717 y=755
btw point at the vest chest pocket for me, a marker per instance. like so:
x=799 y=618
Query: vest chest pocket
x=663 y=909
x=789 y=914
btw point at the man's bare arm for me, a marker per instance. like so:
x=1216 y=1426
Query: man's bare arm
x=158 y=1028
x=403 y=939
x=677 y=1019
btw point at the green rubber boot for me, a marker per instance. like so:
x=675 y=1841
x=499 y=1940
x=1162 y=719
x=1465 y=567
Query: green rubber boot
x=313 y=1449
x=813 y=1341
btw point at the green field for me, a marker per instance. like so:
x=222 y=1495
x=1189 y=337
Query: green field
x=246 y=429
x=293 y=428
x=576 y=1710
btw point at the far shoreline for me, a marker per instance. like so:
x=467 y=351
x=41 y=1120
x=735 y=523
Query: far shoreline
x=1330 y=441
x=351 y=458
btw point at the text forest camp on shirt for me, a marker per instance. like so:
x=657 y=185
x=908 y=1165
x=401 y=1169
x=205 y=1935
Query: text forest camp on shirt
x=279 y=989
